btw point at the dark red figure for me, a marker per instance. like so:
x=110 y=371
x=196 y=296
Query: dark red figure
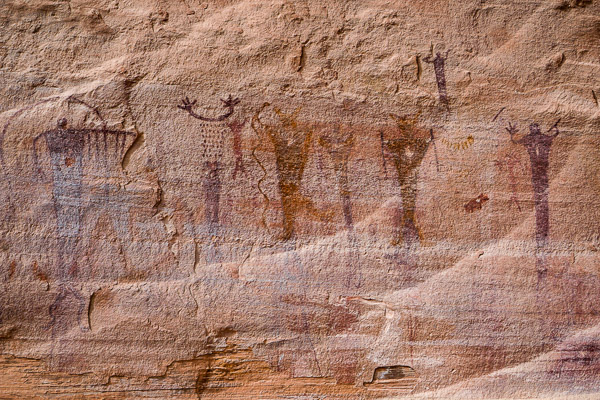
x=538 y=146
x=211 y=154
x=212 y=141
x=440 y=76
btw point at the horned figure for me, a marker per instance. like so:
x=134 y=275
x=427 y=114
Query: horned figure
x=440 y=76
x=339 y=151
x=212 y=138
x=68 y=148
x=538 y=146
x=291 y=142
x=407 y=152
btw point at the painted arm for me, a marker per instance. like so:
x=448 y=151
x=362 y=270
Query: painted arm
x=257 y=130
x=305 y=150
x=512 y=131
x=432 y=140
x=382 y=141
x=555 y=128
x=36 y=163
x=229 y=103
x=256 y=123
x=236 y=127
x=438 y=56
x=74 y=99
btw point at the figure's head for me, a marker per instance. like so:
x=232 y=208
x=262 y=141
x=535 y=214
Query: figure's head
x=346 y=140
x=288 y=120
x=534 y=129
x=405 y=123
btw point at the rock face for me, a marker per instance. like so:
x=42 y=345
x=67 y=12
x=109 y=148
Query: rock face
x=299 y=199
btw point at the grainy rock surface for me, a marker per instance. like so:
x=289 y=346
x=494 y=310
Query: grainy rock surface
x=299 y=199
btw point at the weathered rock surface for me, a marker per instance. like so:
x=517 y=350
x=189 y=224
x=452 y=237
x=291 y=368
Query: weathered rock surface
x=299 y=199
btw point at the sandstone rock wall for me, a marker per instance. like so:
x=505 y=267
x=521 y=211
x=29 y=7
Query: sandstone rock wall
x=299 y=199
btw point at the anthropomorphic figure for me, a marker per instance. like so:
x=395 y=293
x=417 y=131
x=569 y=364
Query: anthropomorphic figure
x=66 y=151
x=291 y=141
x=212 y=138
x=69 y=149
x=407 y=151
x=440 y=76
x=339 y=151
x=538 y=146
x=339 y=146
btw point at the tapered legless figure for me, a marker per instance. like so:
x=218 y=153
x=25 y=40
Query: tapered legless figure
x=339 y=146
x=538 y=146
x=440 y=76
x=211 y=152
x=292 y=142
x=408 y=151
x=339 y=151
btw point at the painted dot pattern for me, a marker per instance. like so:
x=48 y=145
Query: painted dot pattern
x=211 y=141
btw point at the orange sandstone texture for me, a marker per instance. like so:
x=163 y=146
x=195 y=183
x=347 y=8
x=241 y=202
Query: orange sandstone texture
x=299 y=199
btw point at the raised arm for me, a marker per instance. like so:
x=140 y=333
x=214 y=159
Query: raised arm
x=555 y=128
x=431 y=60
x=74 y=99
x=256 y=124
x=228 y=103
x=36 y=163
x=512 y=131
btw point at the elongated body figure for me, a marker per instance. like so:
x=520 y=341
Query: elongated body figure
x=339 y=148
x=440 y=77
x=211 y=153
x=292 y=143
x=339 y=151
x=212 y=143
x=538 y=147
x=408 y=151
